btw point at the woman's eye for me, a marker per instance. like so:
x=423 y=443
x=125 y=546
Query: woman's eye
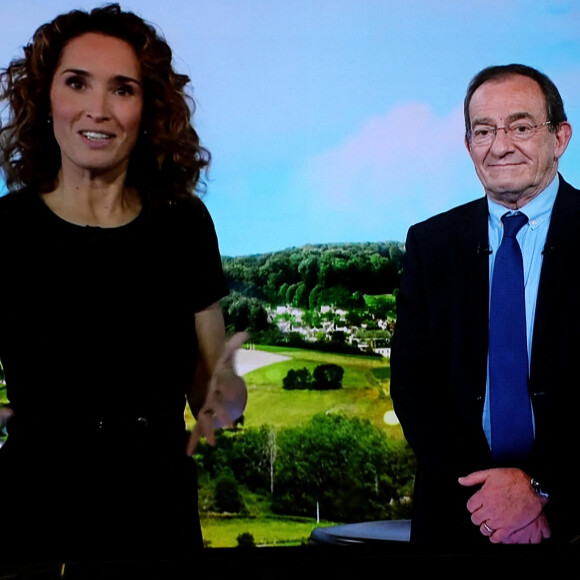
x=75 y=83
x=125 y=90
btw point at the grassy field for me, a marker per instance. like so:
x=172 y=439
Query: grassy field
x=365 y=394
x=222 y=532
x=365 y=391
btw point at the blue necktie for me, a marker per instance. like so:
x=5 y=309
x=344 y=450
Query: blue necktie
x=510 y=412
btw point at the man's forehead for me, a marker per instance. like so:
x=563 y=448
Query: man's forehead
x=511 y=96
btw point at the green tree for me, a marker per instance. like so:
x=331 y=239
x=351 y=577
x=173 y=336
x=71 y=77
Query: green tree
x=227 y=496
x=297 y=379
x=246 y=540
x=244 y=313
x=253 y=457
x=311 y=318
x=290 y=291
x=328 y=377
x=282 y=292
x=370 y=268
x=351 y=468
x=315 y=297
x=354 y=317
x=300 y=298
x=338 y=336
x=308 y=270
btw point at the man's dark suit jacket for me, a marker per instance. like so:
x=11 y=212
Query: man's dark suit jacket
x=439 y=368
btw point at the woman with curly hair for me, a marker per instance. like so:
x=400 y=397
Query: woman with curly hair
x=109 y=297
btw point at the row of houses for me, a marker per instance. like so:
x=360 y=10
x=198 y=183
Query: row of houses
x=291 y=319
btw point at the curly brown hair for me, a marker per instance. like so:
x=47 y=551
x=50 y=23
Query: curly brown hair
x=168 y=159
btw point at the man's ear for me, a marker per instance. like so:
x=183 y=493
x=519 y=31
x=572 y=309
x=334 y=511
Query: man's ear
x=563 y=135
x=467 y=144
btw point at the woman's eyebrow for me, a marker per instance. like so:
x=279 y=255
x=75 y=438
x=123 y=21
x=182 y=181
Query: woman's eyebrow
x=117 y=78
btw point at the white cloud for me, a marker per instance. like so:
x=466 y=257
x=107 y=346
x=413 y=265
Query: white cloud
x=396 y=170
x=392 y=153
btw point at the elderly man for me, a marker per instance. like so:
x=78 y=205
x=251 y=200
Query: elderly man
x=484 y=363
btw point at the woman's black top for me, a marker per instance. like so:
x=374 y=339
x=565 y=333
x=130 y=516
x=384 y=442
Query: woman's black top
x=98 y=345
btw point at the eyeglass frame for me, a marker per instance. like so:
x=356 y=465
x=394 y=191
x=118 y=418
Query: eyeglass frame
x=508 y=132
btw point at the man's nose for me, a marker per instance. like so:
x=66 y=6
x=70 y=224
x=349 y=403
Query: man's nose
x=501 y=142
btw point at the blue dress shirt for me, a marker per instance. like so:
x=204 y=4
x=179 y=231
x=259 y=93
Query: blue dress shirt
x=532 y=238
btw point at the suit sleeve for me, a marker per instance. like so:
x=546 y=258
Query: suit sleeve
x=426 y=365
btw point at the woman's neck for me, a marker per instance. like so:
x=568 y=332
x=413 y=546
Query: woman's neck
x=94 y=202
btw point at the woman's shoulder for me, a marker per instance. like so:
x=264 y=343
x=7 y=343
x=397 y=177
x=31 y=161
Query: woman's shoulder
x=187 y=211
x=16 y=205
x=191 y=204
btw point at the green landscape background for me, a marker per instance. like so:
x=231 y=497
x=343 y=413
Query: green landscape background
x=364 y=395
x=316 y=305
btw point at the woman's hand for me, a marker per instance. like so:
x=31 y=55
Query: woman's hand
x=226 y=397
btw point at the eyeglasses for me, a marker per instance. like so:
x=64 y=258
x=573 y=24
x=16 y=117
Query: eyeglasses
x=517 y=131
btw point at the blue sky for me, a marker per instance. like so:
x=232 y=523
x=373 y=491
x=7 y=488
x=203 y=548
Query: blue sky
x=339 y=120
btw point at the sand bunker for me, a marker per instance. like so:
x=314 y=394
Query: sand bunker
x=249 y=360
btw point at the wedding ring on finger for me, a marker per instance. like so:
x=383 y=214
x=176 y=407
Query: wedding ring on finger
x=488 y=529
